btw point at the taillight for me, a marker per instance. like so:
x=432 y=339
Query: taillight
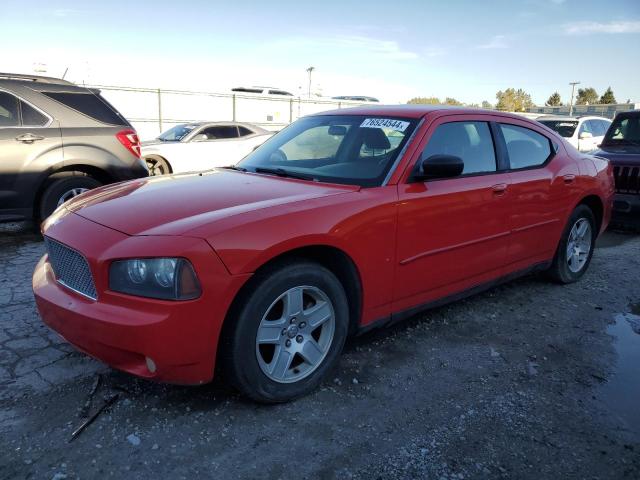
x=129 y=138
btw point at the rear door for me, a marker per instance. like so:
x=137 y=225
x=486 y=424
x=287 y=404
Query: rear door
x=543 y=184
x=452 y=233
x=30 y=143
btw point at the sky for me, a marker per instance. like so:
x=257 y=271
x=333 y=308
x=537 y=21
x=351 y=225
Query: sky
x=393 y=50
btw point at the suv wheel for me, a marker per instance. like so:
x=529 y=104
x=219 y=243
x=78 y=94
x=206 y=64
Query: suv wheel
x=63 y=189
x=287 y=333
x=576 y=247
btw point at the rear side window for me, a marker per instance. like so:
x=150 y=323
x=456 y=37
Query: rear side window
x=471 y=141
x=31 y=117
x=244 y=131
x=9 y=116
x=525 y=147
x=89 y=104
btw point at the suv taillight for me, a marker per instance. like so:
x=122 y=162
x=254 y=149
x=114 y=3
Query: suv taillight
x=129 y=138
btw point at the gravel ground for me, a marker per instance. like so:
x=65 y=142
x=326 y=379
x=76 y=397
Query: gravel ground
x=523 y=381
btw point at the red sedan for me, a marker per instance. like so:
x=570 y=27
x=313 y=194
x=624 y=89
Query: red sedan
x=342 y=221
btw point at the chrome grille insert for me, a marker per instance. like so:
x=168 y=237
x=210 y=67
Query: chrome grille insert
x=71 y=268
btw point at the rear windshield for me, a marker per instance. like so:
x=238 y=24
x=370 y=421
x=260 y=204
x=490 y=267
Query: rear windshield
x=565 y=128
x=623 y=131
x=89 y=104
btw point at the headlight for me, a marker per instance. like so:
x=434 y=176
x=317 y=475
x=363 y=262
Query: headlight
x=163 y=278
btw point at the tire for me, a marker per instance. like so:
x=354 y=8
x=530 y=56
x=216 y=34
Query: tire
x=157 y=165
x=269 y=308
x=62 y=189
x=565 y=268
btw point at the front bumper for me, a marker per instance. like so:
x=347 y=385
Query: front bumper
x=626 y=209
x=180 y=338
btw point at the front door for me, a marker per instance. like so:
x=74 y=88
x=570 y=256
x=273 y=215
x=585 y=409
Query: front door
x=452 y=233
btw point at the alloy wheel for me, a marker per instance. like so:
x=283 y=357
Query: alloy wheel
x=69 y=194
x=295 y=334
x=579 y=245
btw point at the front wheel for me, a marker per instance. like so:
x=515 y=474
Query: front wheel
x=287 y=333
x=157 y=165
x=576 y=247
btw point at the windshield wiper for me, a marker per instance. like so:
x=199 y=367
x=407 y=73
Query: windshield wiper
x=281 y=172
x=233 y=167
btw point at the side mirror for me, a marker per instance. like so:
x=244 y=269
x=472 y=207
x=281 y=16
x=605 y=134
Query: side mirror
x=201 y=137
x=585 y=135
x=439 y=166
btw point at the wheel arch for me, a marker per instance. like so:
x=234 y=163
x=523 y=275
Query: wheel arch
x=333 y=258
x=596 y=205
x=68 y=171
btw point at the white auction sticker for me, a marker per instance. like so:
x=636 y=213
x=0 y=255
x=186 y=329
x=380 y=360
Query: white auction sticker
x=397 y=125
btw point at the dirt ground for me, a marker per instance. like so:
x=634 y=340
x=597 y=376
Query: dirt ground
x=528 y=380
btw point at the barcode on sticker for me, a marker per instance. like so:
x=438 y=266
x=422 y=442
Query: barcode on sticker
x=397 y=125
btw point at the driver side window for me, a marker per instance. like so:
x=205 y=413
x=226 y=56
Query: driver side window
x=220 y=132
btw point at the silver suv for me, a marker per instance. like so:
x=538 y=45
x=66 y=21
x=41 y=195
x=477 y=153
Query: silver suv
x=58 y=140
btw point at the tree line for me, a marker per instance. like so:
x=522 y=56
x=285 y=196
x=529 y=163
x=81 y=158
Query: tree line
x=513 y=100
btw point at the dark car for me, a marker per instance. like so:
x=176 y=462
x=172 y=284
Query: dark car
x=58 y=140
x=621 y=146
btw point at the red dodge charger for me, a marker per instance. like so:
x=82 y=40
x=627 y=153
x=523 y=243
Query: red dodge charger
x=343 y=221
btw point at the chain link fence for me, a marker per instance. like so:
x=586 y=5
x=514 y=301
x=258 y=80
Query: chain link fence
x=154 y=110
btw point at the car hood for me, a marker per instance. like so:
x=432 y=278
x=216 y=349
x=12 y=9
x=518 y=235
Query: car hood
x=178 y=204
x=620 y=155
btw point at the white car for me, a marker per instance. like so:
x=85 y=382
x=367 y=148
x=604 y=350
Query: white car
x=193 y=147
x=584 y=133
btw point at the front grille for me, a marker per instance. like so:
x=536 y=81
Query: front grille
x=71 y=268
x=627 y=179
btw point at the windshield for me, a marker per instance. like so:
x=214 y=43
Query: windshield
x=623 y=131
x=176 y=133
x=565 y=128
x=348 y=149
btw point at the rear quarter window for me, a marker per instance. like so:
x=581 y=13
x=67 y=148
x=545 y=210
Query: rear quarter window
x=526 y=148
x=89 y=104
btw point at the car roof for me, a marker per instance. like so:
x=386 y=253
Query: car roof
x=567 y=118
x=416 y=111
x=630 y=113
x=33 y=78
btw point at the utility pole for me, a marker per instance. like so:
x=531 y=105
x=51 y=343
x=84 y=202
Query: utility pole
x=310 y=70
x=573 y=88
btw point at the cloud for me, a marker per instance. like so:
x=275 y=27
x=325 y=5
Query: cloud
x=588 y=28
x=497 y=41
x=434 y=51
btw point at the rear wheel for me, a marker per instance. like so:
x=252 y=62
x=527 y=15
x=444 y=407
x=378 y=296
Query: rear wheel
x=157 y=165
x=576 y=247
x=287 y=334
x=64 y=189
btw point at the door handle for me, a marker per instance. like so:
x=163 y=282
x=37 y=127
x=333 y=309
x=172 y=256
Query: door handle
x=499 y=188
x=569 y=178
x=28 y=138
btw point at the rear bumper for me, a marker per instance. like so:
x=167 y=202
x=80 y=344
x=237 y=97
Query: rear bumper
x=168 y=341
